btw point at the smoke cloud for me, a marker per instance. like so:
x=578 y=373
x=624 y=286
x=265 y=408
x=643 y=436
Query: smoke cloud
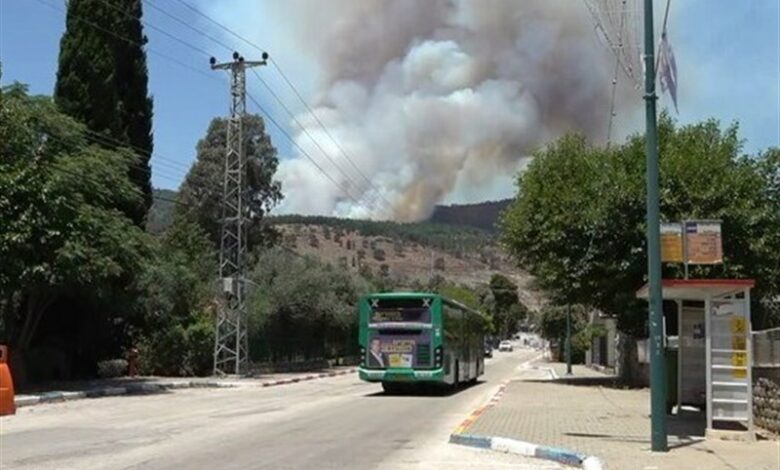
x=435 y=98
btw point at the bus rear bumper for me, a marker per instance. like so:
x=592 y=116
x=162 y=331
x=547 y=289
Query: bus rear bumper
x=408 y=375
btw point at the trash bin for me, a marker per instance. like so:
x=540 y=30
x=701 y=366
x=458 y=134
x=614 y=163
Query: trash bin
x=7 y=404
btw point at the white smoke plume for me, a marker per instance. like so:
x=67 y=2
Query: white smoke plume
x=431 y=98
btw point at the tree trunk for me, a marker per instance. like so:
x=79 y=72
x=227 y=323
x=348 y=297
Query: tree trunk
x=627 y=363
x=37 y=302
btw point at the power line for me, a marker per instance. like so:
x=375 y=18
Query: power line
x=615 y=78
x=87 y=177
x=295 y=91
x=211 y=77
x=184 y=23
x=168 y=167
x=146 y=23
x=58 y=164
x=303 y=128
x=159 y=30
x=301 y=149
x=111 y=33
x=220 y=25
x=327 y=131
x=141 y=151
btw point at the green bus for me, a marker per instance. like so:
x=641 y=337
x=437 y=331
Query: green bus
x=419 y=338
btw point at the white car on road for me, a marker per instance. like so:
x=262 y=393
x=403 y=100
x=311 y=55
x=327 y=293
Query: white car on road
x=505 y=346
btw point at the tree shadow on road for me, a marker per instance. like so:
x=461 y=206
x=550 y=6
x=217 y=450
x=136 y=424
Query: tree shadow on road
x=606 y=382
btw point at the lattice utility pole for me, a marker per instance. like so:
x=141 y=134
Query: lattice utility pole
x=231 y=347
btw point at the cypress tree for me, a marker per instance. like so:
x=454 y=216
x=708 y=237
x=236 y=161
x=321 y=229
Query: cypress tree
x=102 y=80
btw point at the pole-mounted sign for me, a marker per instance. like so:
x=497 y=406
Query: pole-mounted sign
x=692 y=242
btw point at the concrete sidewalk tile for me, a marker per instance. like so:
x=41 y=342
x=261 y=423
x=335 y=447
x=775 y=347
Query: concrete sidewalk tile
x=610 y=425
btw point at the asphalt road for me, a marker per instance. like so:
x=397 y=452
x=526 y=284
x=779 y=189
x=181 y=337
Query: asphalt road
x=338 y=423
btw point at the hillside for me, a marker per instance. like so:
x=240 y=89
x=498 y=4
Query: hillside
x=394 y=254
x=483 y=215
x=467 y=217
x=458 y=243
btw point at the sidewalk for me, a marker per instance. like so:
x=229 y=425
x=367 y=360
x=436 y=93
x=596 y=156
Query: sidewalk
x=73 y=390
x=609 y=423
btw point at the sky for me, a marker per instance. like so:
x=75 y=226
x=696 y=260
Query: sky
x=727 y=53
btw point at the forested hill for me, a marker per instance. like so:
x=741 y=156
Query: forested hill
x=470 y=221
x=443 y=236
x=482 y=215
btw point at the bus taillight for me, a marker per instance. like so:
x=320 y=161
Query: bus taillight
x=438 y=356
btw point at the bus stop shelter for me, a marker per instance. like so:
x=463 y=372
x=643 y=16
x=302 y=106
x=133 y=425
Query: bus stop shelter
x=713 y=358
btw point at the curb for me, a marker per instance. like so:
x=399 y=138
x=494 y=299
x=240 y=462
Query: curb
x=323 y=375
x=513 y=446
x=143 y=388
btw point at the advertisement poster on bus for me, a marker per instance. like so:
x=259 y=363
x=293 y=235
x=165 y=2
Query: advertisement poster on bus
x=395 y=351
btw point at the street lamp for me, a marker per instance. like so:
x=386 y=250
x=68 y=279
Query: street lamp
x=657 y=366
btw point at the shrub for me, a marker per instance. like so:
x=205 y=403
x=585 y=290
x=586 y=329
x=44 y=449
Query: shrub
x=164 y=352
x=112 y=368
x=200 y=347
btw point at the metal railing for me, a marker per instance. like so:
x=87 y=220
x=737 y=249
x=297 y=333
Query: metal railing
x=766 y=348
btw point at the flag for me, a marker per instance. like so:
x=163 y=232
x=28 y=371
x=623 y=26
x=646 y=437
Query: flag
x=667 y=69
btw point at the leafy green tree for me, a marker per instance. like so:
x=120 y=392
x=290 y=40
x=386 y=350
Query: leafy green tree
x=66 y=249
x=301 y=308
x=177 y=287
x=503 y=299
x=102 y=81
x=578 y=223
x=201 y=191
x=462 y=294
x=553 y=328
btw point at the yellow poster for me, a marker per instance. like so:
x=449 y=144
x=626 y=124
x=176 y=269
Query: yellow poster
x=400 y=360
x=738 y=326
x=671 y=243
x=739 y=359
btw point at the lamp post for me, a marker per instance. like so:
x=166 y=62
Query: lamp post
x=657 y=365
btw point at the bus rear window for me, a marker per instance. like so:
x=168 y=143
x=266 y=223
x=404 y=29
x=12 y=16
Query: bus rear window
x=400 y=310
